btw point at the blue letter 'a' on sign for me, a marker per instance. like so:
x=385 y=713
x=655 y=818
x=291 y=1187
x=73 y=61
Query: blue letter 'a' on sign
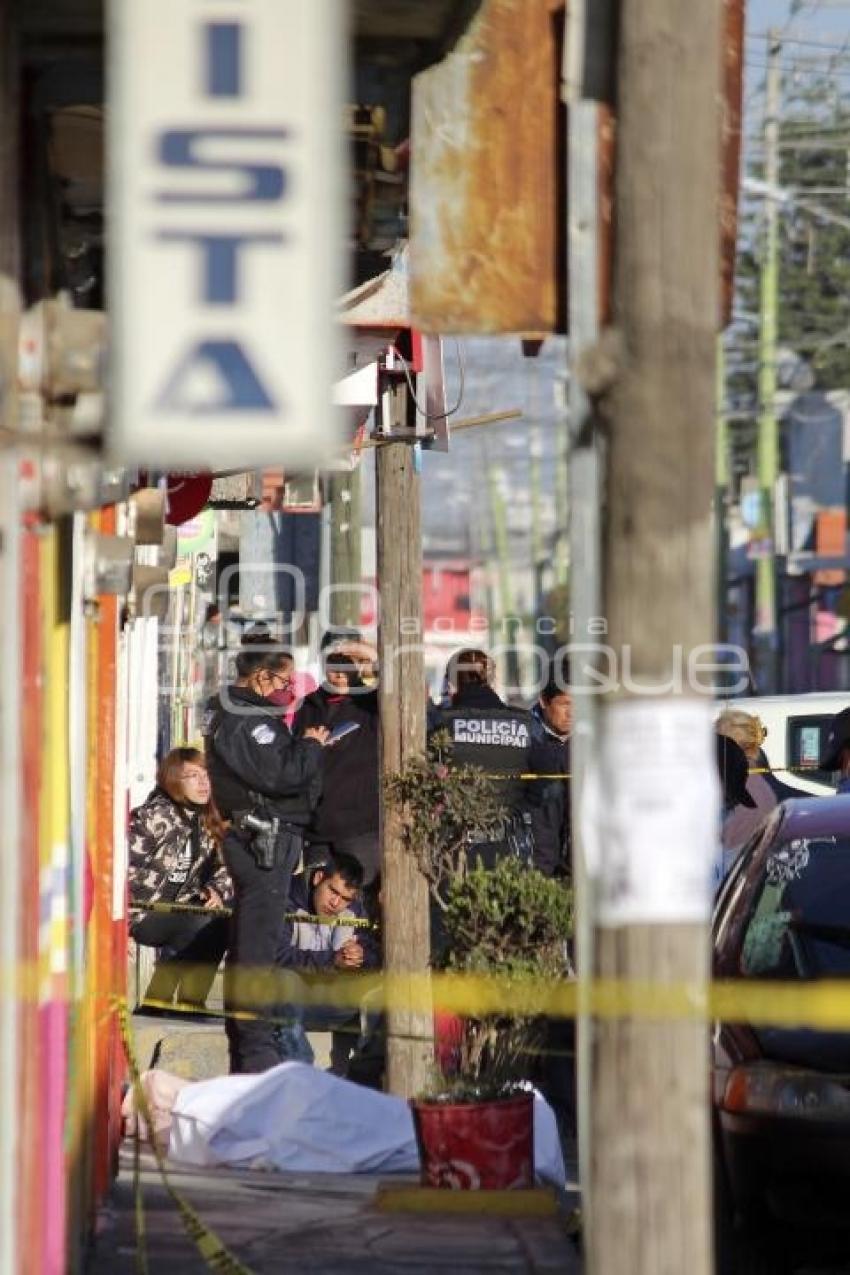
x=215 y=377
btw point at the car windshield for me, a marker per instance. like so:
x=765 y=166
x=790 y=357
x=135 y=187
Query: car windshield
x=800 y=925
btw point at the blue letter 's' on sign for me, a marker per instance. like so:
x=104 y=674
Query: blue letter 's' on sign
x=215 y=376
x=255 y=183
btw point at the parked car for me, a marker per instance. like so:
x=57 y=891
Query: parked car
x=796 y=729
x=782 y=1094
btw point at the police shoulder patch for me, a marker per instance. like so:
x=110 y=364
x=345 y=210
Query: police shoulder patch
x=263 y=734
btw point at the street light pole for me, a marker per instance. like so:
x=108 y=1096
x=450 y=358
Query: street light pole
x=345 y=548
x=766 y=644
x=508 y=620
x=721 y=492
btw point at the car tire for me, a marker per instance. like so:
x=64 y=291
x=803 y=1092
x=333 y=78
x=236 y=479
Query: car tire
x=738 y=1251
x=757 y=1256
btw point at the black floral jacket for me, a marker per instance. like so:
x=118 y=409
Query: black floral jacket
x=158 y=833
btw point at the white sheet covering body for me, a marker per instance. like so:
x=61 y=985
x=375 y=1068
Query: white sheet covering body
x=297 y=1118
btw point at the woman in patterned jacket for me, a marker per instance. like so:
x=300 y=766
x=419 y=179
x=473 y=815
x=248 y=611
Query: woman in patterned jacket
x=175 y=859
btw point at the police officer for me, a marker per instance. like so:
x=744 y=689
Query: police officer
x=549 y=797
x=836 y=750
x=489 y=735
x=266 y=784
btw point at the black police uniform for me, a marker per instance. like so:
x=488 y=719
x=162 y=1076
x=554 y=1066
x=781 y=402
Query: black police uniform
x=487 y=734
x=549 y=799
x=257 y=769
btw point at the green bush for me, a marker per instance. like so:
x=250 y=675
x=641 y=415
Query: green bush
x=510 y=920
x=438 y=806
x=513 y=922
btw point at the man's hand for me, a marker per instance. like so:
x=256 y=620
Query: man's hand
x=213 y=899
x=364 y=654
x=349 y=956
x=320 y=733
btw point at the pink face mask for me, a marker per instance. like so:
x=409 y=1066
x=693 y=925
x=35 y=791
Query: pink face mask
x=282 y=696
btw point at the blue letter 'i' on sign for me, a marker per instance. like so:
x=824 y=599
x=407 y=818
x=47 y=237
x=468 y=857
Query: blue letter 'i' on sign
x=223 y=59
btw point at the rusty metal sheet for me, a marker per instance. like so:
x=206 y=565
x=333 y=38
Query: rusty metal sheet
x=484 y=177
x=488 y=154
x=606 y=167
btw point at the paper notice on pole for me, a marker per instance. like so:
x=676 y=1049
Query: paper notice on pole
x=651 y=813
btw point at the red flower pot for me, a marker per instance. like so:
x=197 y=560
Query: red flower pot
x=476 y=1146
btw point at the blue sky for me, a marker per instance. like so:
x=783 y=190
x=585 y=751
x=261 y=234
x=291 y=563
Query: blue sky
x=825 y=22
x=821 y=17
x=816 y=40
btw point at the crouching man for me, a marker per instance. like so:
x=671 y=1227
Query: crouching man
x=316 y=947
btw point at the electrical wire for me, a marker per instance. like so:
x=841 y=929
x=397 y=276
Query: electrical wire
x=450 y=411
x=809 y=44
x=794 y=69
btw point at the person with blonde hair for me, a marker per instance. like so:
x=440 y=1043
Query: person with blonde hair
x=746 y=729
x=748 y=732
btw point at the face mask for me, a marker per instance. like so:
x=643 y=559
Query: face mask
x=281 y=696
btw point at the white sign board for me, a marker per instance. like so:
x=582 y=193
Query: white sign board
x=226 y=230
x=651 y=812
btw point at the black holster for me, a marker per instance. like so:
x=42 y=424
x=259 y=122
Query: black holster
x=261 y=831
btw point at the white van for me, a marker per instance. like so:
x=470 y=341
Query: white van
x=796 y=729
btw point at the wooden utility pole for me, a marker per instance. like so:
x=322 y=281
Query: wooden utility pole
x=657 y=813
x=410 y=1047
x=508 y=633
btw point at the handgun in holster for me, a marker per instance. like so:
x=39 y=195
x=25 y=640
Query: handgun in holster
x=263 y=830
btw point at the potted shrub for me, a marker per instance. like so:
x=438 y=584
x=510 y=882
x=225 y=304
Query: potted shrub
x=475 y=1125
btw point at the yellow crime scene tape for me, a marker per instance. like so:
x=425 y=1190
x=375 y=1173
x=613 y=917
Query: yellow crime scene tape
x=212 y=1249
x=824 y=1005
x=821 y=1005
x=527 y=777
x=197 y=909
x=818 y=1004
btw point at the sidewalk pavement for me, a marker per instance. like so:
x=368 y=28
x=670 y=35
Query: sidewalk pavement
x=322 y=1223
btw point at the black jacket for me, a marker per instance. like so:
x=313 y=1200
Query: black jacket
x=489 y=735
x=549 y=799
x=173 y=858
x=349 y=803
x=251 y=754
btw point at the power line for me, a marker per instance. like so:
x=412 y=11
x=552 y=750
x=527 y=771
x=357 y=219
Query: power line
x=808 y=44
x=798 y=68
